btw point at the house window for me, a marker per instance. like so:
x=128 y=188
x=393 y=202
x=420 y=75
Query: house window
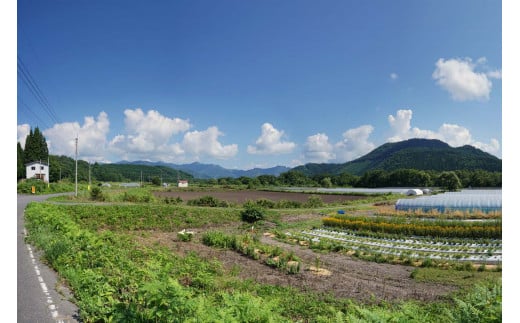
x=41 y=167
x=33 y=167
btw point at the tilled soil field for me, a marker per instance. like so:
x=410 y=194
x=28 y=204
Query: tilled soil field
x=347 y=277
x=245 y=195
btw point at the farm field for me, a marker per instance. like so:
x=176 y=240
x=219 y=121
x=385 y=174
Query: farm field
x=241 y=196
x=155 y=261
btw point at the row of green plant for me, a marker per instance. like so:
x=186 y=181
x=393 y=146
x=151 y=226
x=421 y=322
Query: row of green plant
x=400 y=251
x=455 y=229
x=376 y=254
x=250 y=246
x=115 y=279
x=420 y=243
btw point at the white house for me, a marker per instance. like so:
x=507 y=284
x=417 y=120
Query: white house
x=37 y=170
x=182 y=183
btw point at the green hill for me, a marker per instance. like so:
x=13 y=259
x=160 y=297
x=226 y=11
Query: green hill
x=420 y=154
x=62 y=167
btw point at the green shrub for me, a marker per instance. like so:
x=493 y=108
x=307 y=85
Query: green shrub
x=208 y=201
x=96 y=194
x=314 y=201
x=265 y=203
x=252 y=213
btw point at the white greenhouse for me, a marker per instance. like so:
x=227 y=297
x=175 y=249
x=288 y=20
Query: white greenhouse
x=466 y=200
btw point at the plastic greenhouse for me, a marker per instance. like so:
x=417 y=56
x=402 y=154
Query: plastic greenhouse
x=466 y=200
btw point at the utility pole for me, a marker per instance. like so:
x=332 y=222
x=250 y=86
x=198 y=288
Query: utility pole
x=76 y=157
x=89 y=176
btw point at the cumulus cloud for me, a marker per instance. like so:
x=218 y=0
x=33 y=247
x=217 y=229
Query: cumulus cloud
x=460 y=78
x=22 y=132
x=148 y=133
x=317 y=149
x=452 y=134
x=147 y=136
x=91 y=138
x=206 y=143
x=270 y=142
x=355 y=143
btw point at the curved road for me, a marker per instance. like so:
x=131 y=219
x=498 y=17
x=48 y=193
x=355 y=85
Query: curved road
x=40 y=297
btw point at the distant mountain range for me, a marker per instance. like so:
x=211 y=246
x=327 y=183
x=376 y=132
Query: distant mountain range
x=421 y=154
x=207 y=171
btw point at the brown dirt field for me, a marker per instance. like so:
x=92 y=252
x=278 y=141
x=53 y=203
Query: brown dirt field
x=245 y=195
x=349 y=277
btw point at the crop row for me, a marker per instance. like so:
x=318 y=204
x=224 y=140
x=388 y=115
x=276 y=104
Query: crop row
x=474 y=252
x=250 y=246
x=451 y=229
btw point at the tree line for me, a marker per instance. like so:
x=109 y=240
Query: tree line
x=450 y=180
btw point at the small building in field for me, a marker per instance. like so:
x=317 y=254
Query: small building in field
x=182 y=183
x=37 y=170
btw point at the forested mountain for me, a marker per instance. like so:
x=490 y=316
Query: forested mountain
x=207 y=171
x=62 y=167
x=420 y=154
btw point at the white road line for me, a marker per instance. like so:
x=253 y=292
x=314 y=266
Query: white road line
x=51 y=306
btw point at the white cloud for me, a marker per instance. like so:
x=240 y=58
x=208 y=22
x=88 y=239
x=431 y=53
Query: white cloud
x=459 y=78
x=270 y=142
x=148 y=137
x=394 y=76
x=317 y=149
x=91 y=138
x=355 y=143
x=22 y=132
x=206 y=143
x=496 y=74
x=452 y=134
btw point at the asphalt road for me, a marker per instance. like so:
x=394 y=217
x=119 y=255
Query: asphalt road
x=41 y=299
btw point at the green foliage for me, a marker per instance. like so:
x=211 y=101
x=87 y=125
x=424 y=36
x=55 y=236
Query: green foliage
x=96 y=194
x=252 y=213
x=35 y=147
x=449 y=181
x=20 y=162
x=208 y=201
x=26 y=186
x=185 y=236
x=314 y=201
x=417 y=154
x=135 y=195
x=156 y=181
x=116 y=279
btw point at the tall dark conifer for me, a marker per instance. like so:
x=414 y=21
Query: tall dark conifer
x=35 y=147
x=20 y=163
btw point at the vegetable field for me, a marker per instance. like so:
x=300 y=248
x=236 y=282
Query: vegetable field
x=160 y=262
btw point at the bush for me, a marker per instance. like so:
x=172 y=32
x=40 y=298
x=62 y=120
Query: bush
x=208 y=201
x=314 y=201
x=96 y=194
x=252 y=213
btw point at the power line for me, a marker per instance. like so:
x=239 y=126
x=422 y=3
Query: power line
x=32 y=85
x=32 y=113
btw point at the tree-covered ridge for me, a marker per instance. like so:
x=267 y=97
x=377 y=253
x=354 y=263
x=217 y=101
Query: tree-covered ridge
x=420 y=154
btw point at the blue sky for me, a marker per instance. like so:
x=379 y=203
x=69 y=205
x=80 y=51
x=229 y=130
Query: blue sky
x=248 y=84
